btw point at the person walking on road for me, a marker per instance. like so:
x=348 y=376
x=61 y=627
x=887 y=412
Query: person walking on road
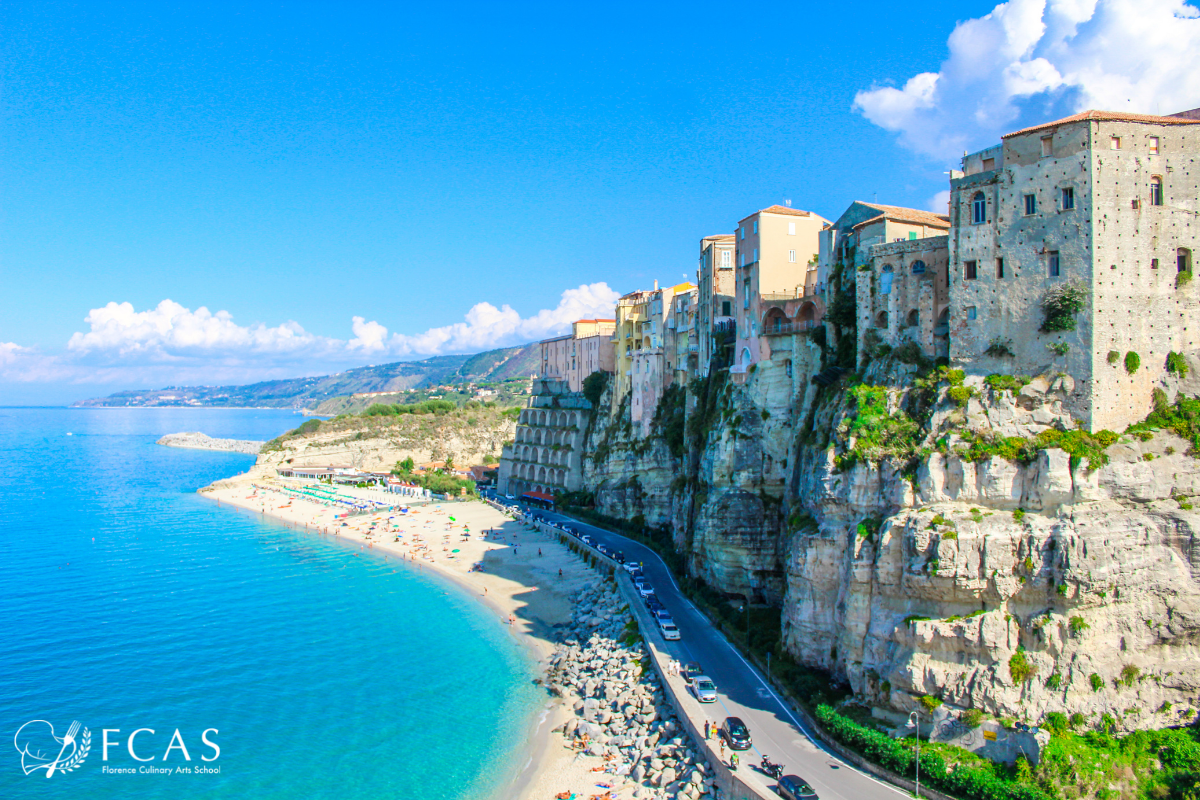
x=706 y=730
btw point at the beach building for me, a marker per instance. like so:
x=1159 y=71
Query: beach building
x=774 y=249
x=1099 y=208
x=714 y=295
x=575 y=356
x=547 y=449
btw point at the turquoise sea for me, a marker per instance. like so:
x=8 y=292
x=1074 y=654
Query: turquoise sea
x=130 y=602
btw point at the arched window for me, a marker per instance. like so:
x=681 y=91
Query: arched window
x=918 y=268
x=978 y=209
x=914 y=318
x=745 y=356
x=881 y=320
x=1183 y=258
x=1156 y=193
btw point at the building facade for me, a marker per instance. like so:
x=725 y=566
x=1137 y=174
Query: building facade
x=774 y=248
x=547 y=449
x=587 y=349
x=715 y=294
x=1102 y=206
x=906 y=297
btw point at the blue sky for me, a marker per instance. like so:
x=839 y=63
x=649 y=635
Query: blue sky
x=298 y=166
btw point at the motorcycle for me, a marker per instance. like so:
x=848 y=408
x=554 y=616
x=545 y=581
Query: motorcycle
x=774 y=770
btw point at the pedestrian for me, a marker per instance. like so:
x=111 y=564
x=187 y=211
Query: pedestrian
x=722 y=749
x=706 y=729
x=539 y=551
x=560 y=572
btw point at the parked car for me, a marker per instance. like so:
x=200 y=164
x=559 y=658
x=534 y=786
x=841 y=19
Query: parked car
x=669 y=631
x=645 y=589
x=793 y=787
x=603 y=550
x=691 y=670
x=653 y=605
x=736 y=734
x=633 y=568
x=662 y=614
x=586 y=540
x=704 y=689
x=618 y=556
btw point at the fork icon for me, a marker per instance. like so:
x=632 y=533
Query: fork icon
x=68 y=739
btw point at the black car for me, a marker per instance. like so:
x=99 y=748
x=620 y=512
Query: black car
x=736 y=734
x=653 y=604
x=793 y=787
x=618 y=556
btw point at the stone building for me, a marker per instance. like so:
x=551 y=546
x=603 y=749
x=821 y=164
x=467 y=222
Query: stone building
x=587 y=349
x=906 y=296
x=774 y=248
x=1104 y=203
x=715 y=295
x=547 y=449
x=682 y=344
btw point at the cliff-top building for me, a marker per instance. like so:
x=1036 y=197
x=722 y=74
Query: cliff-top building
x=715 y=294
x=774 y=248
x=1100 y=205
x=587 y=349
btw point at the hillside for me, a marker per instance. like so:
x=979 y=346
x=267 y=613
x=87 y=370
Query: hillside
x=489 y=366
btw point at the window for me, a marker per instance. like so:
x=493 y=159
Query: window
x=741 y=259
x=726 y=259
x=791 y=229
x=1047 y=145
x=971 y=312
x=918 y=267
x=1153 y=145
x=1000 y=268
x=742 y=231
x=970 y=270
x=756 y=254
x=989 y=164
x=1154 y=263
x=726 y=308
x=1114 y=143
x=1156 y=193
x=1030 y=204
x=1055 y=268
x=792 y=256
x=978 y=209
x=1068 y=198
x=1183 y=258
x=912 y=235
x=746 y=294
x=756 y=226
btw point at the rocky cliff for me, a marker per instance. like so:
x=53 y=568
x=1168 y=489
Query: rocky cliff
x=930 y=535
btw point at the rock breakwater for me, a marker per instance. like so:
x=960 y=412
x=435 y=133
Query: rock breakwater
x=195 y=440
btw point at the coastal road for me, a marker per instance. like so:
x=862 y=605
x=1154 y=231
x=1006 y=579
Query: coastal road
x=742 y=691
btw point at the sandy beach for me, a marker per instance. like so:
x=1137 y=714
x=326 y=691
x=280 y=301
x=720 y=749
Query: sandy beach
x=525 y=577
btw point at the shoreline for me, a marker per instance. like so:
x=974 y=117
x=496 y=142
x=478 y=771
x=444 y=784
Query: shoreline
x=529 y=580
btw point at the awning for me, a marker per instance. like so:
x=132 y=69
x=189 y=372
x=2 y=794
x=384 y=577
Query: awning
x=545 y=498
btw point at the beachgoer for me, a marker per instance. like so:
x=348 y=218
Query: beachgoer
x=560 y=572
x=706 y=730
x=539 y=551
x=722 y=749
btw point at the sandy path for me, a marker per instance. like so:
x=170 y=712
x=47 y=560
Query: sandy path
x=527 y=578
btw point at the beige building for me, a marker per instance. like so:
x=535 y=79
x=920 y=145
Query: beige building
x=1103 y=201
x=715 y=295
x=587 y=349
x=682 y=345
x=632 y=312
x=774 y=249
x=905 y=297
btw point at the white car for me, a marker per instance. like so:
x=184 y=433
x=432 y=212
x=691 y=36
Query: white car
x=704 y=688
x=669 y=631
x=645 y=589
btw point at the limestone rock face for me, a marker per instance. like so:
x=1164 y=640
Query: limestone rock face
x=1016 y=588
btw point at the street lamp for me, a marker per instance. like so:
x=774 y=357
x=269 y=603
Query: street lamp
x=915 y=723
x=746 y=607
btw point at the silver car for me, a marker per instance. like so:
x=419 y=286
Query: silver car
x=669 y=631
x=704 y=689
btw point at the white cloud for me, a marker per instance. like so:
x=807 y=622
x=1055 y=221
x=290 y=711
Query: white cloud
x=171 y=344
x=940 y=202
x=1031 y=61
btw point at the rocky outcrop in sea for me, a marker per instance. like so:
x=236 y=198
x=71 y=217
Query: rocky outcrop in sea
x=199 y=441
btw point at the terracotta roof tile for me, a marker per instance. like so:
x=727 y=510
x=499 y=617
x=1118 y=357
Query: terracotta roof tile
x=913 y=215
x=787 y=210
x=1105 y=116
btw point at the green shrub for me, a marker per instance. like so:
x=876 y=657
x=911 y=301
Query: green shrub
x=593 y=387
x=999 y=348
x=1132 y=362
x=960 y=395
x=1018 y=514
x=1061 y=304
x=868 y=528
x=1054 y=681
x=909 y=353
x=1096 y=681
x=877 y=433
x=1019 y=667
x=1176 y=364
x=1077 y=625
x=1056 y=721
x=1006 y=383
x=1059 y=348
x=972 y=717
x=1129 y=674
x=929 y=702
x=1183 y=278
x=1113 y=356
x=1078 y=720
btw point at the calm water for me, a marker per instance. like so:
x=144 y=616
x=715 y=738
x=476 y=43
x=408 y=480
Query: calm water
x=130 y=602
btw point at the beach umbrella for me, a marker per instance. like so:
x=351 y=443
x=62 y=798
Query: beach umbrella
x=453 y=551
